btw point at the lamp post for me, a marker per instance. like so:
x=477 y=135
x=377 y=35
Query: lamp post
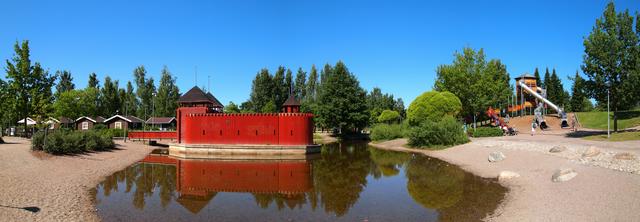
x=608 y=117
x=153 y=111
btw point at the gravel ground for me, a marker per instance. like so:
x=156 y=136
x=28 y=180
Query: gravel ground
x=605 y=189
x=58 y=185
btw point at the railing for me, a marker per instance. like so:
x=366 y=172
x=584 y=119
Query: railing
x=146 y=135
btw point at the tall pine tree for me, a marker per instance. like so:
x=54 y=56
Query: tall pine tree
x=168 y=94
x=65 y=83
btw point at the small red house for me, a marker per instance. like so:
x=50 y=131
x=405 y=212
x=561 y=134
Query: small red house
x=87 y=123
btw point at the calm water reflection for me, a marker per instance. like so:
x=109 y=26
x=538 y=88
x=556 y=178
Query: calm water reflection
x=346 y=182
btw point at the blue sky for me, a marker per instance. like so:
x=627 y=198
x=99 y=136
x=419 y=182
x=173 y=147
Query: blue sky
x=394 y=45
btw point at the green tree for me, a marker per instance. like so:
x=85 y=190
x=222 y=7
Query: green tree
x=342 y=102
x=547 y=82
x=537 y=75
x=312 y=83
x=144 y=90
x=611 y=61
x=65 y=83
x=578 y=94
x=300 y=88
x=93 y=81
x=270 y=107
x=389 y=116
x=30 y=84
x=130 y=102
x=477 y=83
x=69 y=104
x=231 y=108
x=166 y=101
x=262 y=90
x=432 y=106
x=110 y=102
x=378 y=102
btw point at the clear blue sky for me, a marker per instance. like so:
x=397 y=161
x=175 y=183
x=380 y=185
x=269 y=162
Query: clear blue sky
x=394 y=45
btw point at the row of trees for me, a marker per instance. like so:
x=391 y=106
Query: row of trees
x=554 y=88
x=334 y=95
x=109 y=98
x=27 y=92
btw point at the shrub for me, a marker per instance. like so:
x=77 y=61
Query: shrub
x=55 y=143
x=438 y=134
x=111 y=132
x=388 y=116
x=487 y=132
x=432 y=106
x=387 y=131
x=63 y=142
x=37 y=141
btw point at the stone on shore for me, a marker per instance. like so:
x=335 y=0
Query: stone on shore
x=557 y=149
x=625 y=156
x=496 y=156
x=563 y=175
x=506 y=175
x=591 y=152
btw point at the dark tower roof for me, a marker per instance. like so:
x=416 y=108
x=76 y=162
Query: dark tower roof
x=196 y=95
x=291 y=101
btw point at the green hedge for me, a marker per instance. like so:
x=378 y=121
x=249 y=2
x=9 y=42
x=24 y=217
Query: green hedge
x=387 y=131
x=64 y=142
x=437 y=135
x=487 y=132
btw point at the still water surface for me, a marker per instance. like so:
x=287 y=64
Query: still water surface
x=346 y=182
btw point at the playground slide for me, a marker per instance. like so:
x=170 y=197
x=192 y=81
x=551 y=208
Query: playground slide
x=561 y=112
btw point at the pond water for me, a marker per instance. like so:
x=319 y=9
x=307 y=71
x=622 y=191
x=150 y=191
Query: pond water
x=346 y=182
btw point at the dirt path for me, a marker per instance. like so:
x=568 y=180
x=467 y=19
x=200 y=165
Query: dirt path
x=58 y=185
x=595 y=194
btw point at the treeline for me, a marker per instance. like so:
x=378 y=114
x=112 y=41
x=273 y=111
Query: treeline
x=333 y=94
x=27 y=92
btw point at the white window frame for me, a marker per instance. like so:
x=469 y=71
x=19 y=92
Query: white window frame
x=118 y=125
x=85 y=125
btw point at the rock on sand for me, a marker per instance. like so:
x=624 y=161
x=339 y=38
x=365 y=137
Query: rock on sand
x=591 y=152
x=625 y=156
x=506 y=175
x=496 y=156
x=563 y=175
x=557 y=149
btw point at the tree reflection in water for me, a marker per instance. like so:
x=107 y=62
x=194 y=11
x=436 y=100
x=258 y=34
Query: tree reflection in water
x=333 y=182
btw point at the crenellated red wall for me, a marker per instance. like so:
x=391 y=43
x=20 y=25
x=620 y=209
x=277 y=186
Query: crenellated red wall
x=195 y=126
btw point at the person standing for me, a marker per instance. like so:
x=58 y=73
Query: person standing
x=533 y=127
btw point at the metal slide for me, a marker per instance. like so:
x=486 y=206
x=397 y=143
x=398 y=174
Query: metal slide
x=561 y=112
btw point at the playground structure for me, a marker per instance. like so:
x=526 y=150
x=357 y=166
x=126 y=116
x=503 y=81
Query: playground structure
x=532 y=96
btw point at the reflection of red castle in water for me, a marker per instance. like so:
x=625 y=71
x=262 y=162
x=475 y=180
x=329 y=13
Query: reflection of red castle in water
x=199 y=180
x=203 y=129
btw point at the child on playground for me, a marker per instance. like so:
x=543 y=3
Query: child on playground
x=533 y=127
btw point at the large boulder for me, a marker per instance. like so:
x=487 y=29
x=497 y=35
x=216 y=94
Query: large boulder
x=557 y=149
x=592 y=151
x=506 y=175
x=625 y=156
x=496 y=156
x=563 y=175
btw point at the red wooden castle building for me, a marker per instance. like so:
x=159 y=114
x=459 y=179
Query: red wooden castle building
x=204 y=130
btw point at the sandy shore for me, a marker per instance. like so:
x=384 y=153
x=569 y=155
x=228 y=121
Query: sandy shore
x=597 y=193
x=58 y=185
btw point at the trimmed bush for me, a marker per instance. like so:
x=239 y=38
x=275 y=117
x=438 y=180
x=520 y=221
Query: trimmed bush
x=65 y=142
x=387 y=131
x=388 y=116
x=487 y=132
x=437 y=135
x=432 y=106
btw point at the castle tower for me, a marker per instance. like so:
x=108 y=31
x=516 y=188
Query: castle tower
x=291 y=105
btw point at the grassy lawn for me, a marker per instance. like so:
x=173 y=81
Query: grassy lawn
x=625 y=136
x=598 y=120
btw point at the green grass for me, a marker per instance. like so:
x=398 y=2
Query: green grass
x=624 y=136
x=598 y=120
